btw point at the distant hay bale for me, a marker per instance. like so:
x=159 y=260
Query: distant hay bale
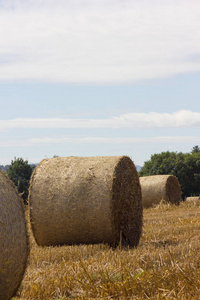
x=196 y=198
x=160 y=187
x=86 y=200
x=13 y=239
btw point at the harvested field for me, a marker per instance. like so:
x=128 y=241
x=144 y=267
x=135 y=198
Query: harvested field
x=159 y=188
x=165 y=265
x=86 y=200
x=13 y=239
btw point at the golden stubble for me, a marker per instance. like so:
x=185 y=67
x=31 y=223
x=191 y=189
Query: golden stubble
x=165 y=265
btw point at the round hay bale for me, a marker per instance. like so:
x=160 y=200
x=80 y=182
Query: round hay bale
x=86 y=200
x=160 y=187
x=13 y=239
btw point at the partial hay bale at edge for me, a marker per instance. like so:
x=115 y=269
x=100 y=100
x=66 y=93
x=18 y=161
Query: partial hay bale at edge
x=86 y=200
x=160 y=187
x=14 y=247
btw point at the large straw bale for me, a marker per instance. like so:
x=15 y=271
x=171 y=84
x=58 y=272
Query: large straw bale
x=87 y=200
x=13 y=239
x=160 y=187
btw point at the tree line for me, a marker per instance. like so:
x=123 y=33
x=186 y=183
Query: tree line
x=4 y=168
x=185 y=166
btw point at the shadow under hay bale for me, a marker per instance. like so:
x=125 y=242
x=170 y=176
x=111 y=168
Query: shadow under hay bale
x=14 y=248
x=160 y=187
x=86 y=200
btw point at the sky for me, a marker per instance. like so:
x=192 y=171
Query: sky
x=98 y=77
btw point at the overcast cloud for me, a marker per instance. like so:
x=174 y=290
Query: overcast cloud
x=184 y=119
x=162 y=140
x=98 y=41
x=120 y=140
x=98 y=77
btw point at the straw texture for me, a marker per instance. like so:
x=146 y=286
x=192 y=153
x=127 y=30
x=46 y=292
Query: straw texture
x=86 y=200
x=13 y=239
x=160 y=187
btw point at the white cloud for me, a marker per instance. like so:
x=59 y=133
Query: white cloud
x=98 y=41
x=100 y=140
x=120 y=140
x=179 y=119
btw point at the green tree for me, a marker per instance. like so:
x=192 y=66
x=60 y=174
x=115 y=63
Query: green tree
x=162 y=163
x=20 y=172
x=195 y=149
x=186 y=167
